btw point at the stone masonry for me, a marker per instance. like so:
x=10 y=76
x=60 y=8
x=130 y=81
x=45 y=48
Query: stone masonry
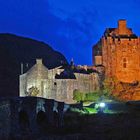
x=21 y=115
x=118 y=51
x=59 y=89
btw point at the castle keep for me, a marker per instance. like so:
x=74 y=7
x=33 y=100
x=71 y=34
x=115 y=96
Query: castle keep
x=119 y=52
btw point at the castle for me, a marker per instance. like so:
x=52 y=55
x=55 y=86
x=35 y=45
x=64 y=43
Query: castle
x=119 y=52
x=116 y=55
x=55 y=84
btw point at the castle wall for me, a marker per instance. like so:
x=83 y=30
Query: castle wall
x=22 y=86
x=53 y=72
x=58 y=89
x=98 y=60
x=121 y=58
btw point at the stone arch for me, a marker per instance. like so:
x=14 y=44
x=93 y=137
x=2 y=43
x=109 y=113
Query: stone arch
x=41 y=118
x=23 y=120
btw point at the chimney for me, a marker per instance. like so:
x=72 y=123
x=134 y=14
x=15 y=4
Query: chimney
x=122 y=27
x=21 y=68
x=39 y=61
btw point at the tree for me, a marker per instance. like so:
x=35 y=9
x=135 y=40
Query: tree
x=93 y=96
x=111 y=87
x=78 y=95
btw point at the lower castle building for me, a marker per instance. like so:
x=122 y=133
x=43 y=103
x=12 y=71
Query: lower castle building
x=119 y=52
x=42 y=82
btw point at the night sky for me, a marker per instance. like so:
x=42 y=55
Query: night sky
x=69 y=26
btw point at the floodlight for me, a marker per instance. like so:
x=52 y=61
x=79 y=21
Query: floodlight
x=102 y=105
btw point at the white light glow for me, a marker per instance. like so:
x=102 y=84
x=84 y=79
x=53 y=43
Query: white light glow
x=102 y=105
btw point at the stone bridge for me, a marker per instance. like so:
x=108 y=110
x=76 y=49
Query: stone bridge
x=28 y=114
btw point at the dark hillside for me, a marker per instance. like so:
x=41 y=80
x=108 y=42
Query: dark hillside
x=15 y=50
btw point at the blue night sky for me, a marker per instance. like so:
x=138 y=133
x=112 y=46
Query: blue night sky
x=69 y=26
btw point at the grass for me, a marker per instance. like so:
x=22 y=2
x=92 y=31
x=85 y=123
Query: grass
x=89 y=110
x=111 y=108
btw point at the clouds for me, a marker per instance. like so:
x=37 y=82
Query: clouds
x=86 y=20
x=80 y=26
x=69 y=26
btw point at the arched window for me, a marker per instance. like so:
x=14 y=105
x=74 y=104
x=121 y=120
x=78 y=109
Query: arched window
x=41 y=118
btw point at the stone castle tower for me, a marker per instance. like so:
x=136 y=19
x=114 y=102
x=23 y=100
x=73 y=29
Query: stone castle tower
x=119 y=52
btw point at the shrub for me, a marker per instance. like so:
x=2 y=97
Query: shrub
x=78 y=95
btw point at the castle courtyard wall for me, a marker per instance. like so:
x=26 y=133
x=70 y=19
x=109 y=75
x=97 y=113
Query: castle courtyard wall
x=58 y=89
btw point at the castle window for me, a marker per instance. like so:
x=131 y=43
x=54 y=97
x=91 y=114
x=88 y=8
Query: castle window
x=124 y=62
x=124 y=65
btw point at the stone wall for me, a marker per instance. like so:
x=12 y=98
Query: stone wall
x=58 y=89
x=122 y=59
x=5 y=121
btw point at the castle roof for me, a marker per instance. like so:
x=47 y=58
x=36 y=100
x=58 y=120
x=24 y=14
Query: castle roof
x=112 y=32
x=122 y=31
